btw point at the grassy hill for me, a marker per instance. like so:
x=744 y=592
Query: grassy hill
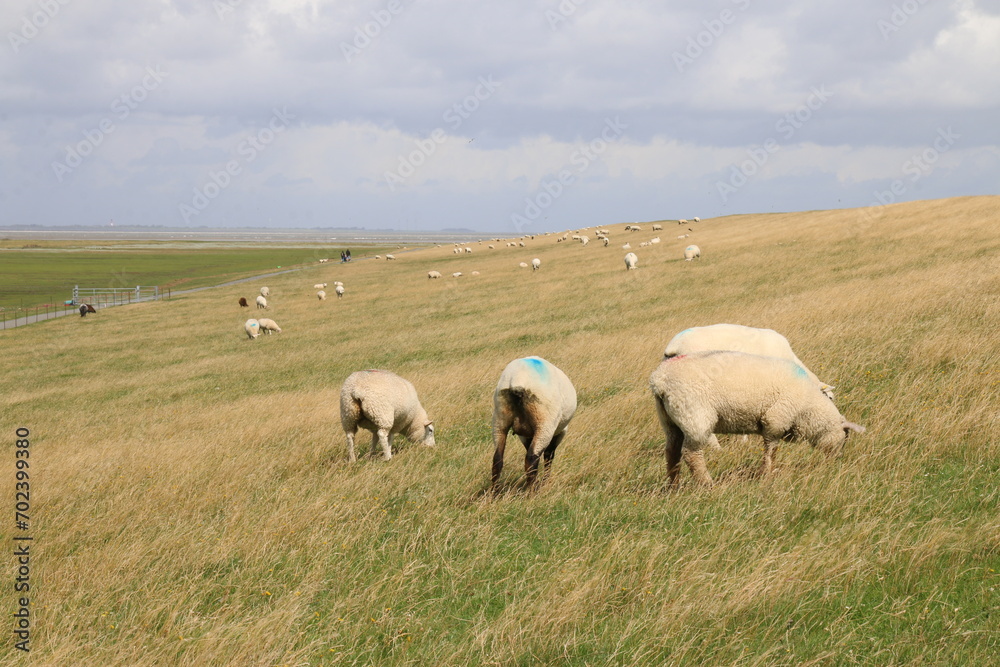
x=192 y=502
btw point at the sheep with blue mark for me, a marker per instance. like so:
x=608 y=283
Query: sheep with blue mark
x=692 y=252
x=252 y=327
x=535 y=400
x=384 y=404
x=703 y=393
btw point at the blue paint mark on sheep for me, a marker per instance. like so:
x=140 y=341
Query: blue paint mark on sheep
x=537 y=365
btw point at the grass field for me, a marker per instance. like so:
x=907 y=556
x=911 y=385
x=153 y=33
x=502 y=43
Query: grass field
x=192 y=503
x=38 y=272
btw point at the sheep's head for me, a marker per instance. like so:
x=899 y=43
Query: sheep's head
x=832 y=441
x=429 y=434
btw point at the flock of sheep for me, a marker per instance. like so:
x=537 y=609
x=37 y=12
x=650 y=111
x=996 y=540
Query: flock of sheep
x=724 y=378
x=255 y=326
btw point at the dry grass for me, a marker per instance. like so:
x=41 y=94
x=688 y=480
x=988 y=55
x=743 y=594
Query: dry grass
x=193 y=503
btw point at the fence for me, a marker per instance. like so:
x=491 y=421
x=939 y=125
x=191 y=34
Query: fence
x=99 y=297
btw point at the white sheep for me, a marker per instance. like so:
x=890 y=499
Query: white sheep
x=636 y=228
x=319 y=286
x=631 y=261
x=390 y=257
x=703 y=393
x=584 y=239
x=433 y=274
x=683 y=236
x=265 y=292
x=338 y=284
x=657 y=228
x=321 y=295
x=339 y=289
x=521 y=244
x=468 y=250
x=252 y=327
x=536 y=400
x=695 y=219
x=261 y=302
x=523 y=265
x=474 y=273
x=491 y=247
x=384 y=404
x=692 y=252
x=268 y=326
x=457 y=274
x=378 y=256
x=536 y=264
x=739 y=338
x=655 y=239
x=627 y=246
x=607 y=241
x=682 y=221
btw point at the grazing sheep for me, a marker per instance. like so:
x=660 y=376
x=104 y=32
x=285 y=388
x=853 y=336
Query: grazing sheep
x=324 y=260
x=537 y=401
x=261 y=302
x=390 y=257
x=319 y=286
x=636 y=228
x=384 y=404
x=252 y=327
x=584 y=240
x=644 y=244
x=536 y=264
x=695 y=219
x=631 y=261
x=523 y=265
x=457 y=274
x=683 y=236
x=703 y=393
x=468 y=250
x=265 y=292
x=491 y=247
x=433 y=274
x=243 y=302
x=321 y=295
x=606 y=241
x=682 y=222
x=338 y=284
x=657 y=228
x=339 y=289
x=86 y=308
x=738 y=338
x=627 y=246
x=474 y=273
x=692 y=252
x=521 y=244
x=655 y=239
x=378 y=256
x=268 y=326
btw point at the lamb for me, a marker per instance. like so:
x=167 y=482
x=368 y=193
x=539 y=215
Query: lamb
x=537 y=401
x=252 y=327
x=268 y=326
x=739 y=338
x=657 y=228
x=720 y=391
x=261 y=302
x=631 y=261
x=243 y=302
x=692 y=252
x=321 y=295
x=536 y=264
x=319 y=286
x=384 y=404
x=433 y=274
x=390 y=257
x=265 y=292
x=339 y=289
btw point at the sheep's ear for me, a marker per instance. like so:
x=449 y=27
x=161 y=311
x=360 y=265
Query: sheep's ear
x=851 y=426
x=426 y=424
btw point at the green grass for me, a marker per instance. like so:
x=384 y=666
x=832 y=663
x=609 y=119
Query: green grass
x=195 y=505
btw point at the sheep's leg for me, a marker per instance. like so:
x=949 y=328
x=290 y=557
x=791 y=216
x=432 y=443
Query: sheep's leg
x=500 y=440
x=531 y=468
x=384 y=440
x=350 y=447
x=550 y=452
x=767 y=465
x=674 y=440
x=373 y=450
x=695 y=458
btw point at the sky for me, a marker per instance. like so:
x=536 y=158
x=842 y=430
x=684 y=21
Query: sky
x=518 y=117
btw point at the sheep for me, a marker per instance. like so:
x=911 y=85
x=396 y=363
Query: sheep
x=521 y=244
x=536 y=400
x=339 y=289
x=86 y=308
x=252 y=327
x=644 y=244
x=607 y=241
x=584 y=240
x=631 y=261
x=265 y=292
x=523 y=265
x=457 y=274
x=682 y=221
x=683 y=236
x=378 y=256
x=243 y=302
x=261 y=302
x=388 y=257
x=536 y=264
x=491 y=247
x=657 y=228
x=695 y=219
x=739 y=338
x=321 y=295
x=319 y=286
x=338 y=284
x=433 y=274
x=703 y=393
x=474 y=273
x=468 y=250
x=636 y=228
x=627 y=246
x=384 y=404
x=692 y=252
x=324 y=260
x=268 y=326
x=655 y=239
